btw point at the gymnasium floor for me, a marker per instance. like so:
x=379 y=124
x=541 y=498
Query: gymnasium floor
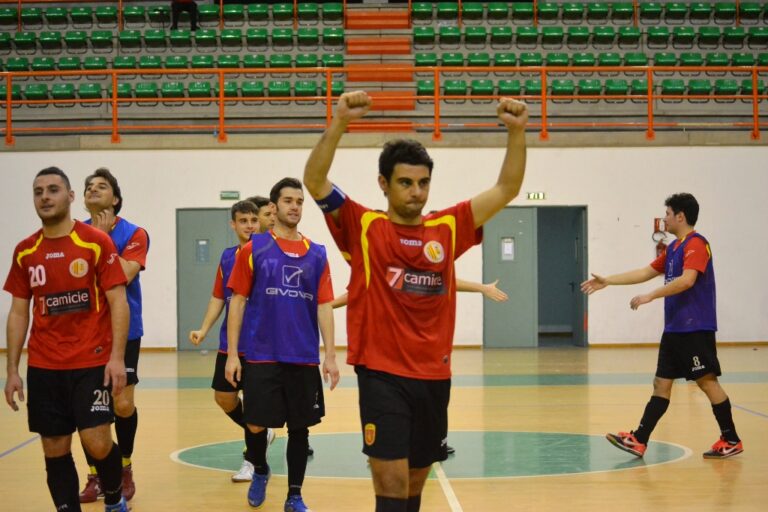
x=527 y=424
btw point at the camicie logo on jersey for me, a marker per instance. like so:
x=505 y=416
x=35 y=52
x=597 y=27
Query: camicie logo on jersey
x=415 y=281
x=72 y=301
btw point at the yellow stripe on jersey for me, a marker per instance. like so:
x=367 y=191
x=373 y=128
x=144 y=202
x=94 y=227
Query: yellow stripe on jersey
x=27 y=252
x=448 y=220
x=96 y=248
x=250 y=263
x=365 y=222
x=346 y=256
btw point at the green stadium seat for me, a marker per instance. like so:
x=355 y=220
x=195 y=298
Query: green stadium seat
x=527 y=36
x=306 y=60
x=522 y=13
x=475 y=35
x=629 y=37
x=452 y=59
x=425 y=59
x=50 y=41
x=548 y=12
x=227 y=61
x=124 y=62
x=282 y=12
x=622 y=13
x=749 y=12
x=252 y=89
x=747 y=88
x=94 y=63
x=199 y=89
x=556 y=59
x=479 y=59
x=69 y=64
x=63 y=92
x=425 y=88
x=256 y=37
x=734 y=37
x=280 y=60
x=25 y=41
x=675 y=12
x=709 y=37
x=208 y=14
x=471 y=11
x=154 y=39
x=650 y=12
x=307 y=36
x=455 y=88
x=532 y=87
x=106 y=15
x=725 y=13
x=233 y=14
x=130 y=40
x=757 y=36
x=589 y=87
x=683 y=37
x=603 y=36
x=279 y=88
x=102 y=41
x=332 y=60
x=333 y=36
x=552 y=36
x=609 y=59
x=56 y=16
x=700 y=13
x=176 y=62
x=258 y=13
x=672 y=86
x=230 y=88
x=504 y=59
x=254 y=61
x=44 y=64
x=337 y=88
x=180 y=39
x=449 y=35
x=81 y=16
x=424 y=35
x=563 y=87
x=531 y=59
x=583 y=59
x=201 y=61
x=150 y=62
x=9 y=17
x=742 y=59
x=501 y=36
x=481 y=88
x=690 y=59
x=304 y=88
x=597 y=12
x=206 y=38
x=161 y=14
x=76 y=41
x=36 y=92
x=664 y=59
x=578 y=37
x=5 y=41
x=573 y=12
x=231 y=38
x=447 y=11
x=639 y=87
x=31 y=17
x=15 y=93
x=146 y=90
x=333 y=12
x=172 y=90
x=716 y=59
x=616 y=87
x=762 y=59
x=134 y=15
x=635 y=59
x=657 y=37
x=510 y=87
x=421 y=11
x=123 y=90
x=699 y=87
x=500 y=11
x=89 y=91
x=17 y=65
x=726 y=87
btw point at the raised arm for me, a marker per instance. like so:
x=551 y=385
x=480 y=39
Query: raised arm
x=636 y=276
x=514 y=115
x=15 y=335
x=351 y=106
x=488 y=290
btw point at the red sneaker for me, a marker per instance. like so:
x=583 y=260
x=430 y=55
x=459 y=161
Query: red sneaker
x=722 y=449
x=92 y=490
x=626 y=441
x=129 y=487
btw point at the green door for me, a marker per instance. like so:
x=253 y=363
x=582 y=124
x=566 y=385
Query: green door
x=201 y=236
x=510 y=255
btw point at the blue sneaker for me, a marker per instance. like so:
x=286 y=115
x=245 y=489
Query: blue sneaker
x=295 y=504
x=117 y=507
x=257 y=492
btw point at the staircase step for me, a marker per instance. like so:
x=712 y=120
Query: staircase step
x=388 y=45
x=381 y=126
x=393 y=100
x=368 y=73
x=388 y=19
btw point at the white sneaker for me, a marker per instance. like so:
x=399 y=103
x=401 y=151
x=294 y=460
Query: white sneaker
x=245 y=474
x=270 y=437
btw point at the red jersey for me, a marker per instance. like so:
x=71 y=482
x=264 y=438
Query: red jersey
x=65 y=278
x=241 y=279
x=696 y=256
x=402 y=292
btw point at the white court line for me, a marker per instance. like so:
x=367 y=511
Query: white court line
x=453 y=501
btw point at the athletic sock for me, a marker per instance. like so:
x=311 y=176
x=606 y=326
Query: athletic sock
x=296 y=456
x=63 y=482
x=236 y=414
x=111 y=474
x=384 y=504
x=90 y=460
x=724 y=419
x=654 y=410
x=125 y=428
x=256 y=448
x=414 y=503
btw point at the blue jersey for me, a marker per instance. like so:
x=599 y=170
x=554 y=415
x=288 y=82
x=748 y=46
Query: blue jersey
x=695 y=308
x=225 y=265
x=282 y=321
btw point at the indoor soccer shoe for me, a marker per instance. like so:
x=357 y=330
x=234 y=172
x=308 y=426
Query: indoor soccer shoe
x=129 y=486
x=722 y=449
x=626 y=441
x=117 y=507
x=295 y=504
x=245 y=474
x=257 y=492
x=92 y=490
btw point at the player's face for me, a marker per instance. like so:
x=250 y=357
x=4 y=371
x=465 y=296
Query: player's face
x=289 y=207
x=244 y=225
x=266 y=218
x=99 y=195
x=52 y=199
x=407 y=190
x=674 y=223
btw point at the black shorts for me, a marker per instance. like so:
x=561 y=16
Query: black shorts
x=62 y=401
x=220 y=382
x=278 y=393
x=132 y=349
x=687 y=354
x=403 y=418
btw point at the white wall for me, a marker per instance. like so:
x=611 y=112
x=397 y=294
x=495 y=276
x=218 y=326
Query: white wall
x=623 y=188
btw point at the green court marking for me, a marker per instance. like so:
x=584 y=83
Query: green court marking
x=478 y=455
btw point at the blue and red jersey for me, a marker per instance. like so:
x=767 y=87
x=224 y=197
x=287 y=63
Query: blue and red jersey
x=226 y=263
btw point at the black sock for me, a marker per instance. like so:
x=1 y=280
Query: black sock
x=63 y=482
x=256 y=449
x=655 y=409
x=110 y=470
x=125 y=428
x=236 y=414
x=724 y=419
x=296 y=456
x=391 y=504
x=414 y=503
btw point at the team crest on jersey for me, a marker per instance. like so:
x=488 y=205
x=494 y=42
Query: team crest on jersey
x=369 y=434
x=434 y=251
x=78 y=267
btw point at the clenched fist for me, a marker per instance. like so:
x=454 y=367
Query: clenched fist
x=513 y=113
x=353 y=105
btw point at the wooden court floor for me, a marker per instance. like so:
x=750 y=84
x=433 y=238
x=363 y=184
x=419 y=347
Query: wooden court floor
x=527 y=424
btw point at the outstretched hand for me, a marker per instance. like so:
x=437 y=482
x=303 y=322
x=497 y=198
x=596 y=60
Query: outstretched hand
x=353 y=105
x=592 y=285
x=513 y=113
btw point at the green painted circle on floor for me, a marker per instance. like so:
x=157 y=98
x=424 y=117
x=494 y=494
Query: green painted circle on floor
x=478 y=455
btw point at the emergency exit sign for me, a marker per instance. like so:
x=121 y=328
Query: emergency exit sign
x=536 y=196
x=225 y=195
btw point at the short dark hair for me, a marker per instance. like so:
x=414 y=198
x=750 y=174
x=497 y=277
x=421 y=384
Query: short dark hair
x=259 y=201
x=402 y=151
x=245 y=206
x=274 y=194
x=55 y=171
x=686 y=203
x=103 y=172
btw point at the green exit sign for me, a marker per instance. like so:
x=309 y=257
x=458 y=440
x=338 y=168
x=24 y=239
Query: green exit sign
x=536 y=196
x=229 y=195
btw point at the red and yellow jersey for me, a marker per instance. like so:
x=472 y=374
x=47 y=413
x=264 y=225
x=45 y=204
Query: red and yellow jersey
x=402 y=292
x=65 y=279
